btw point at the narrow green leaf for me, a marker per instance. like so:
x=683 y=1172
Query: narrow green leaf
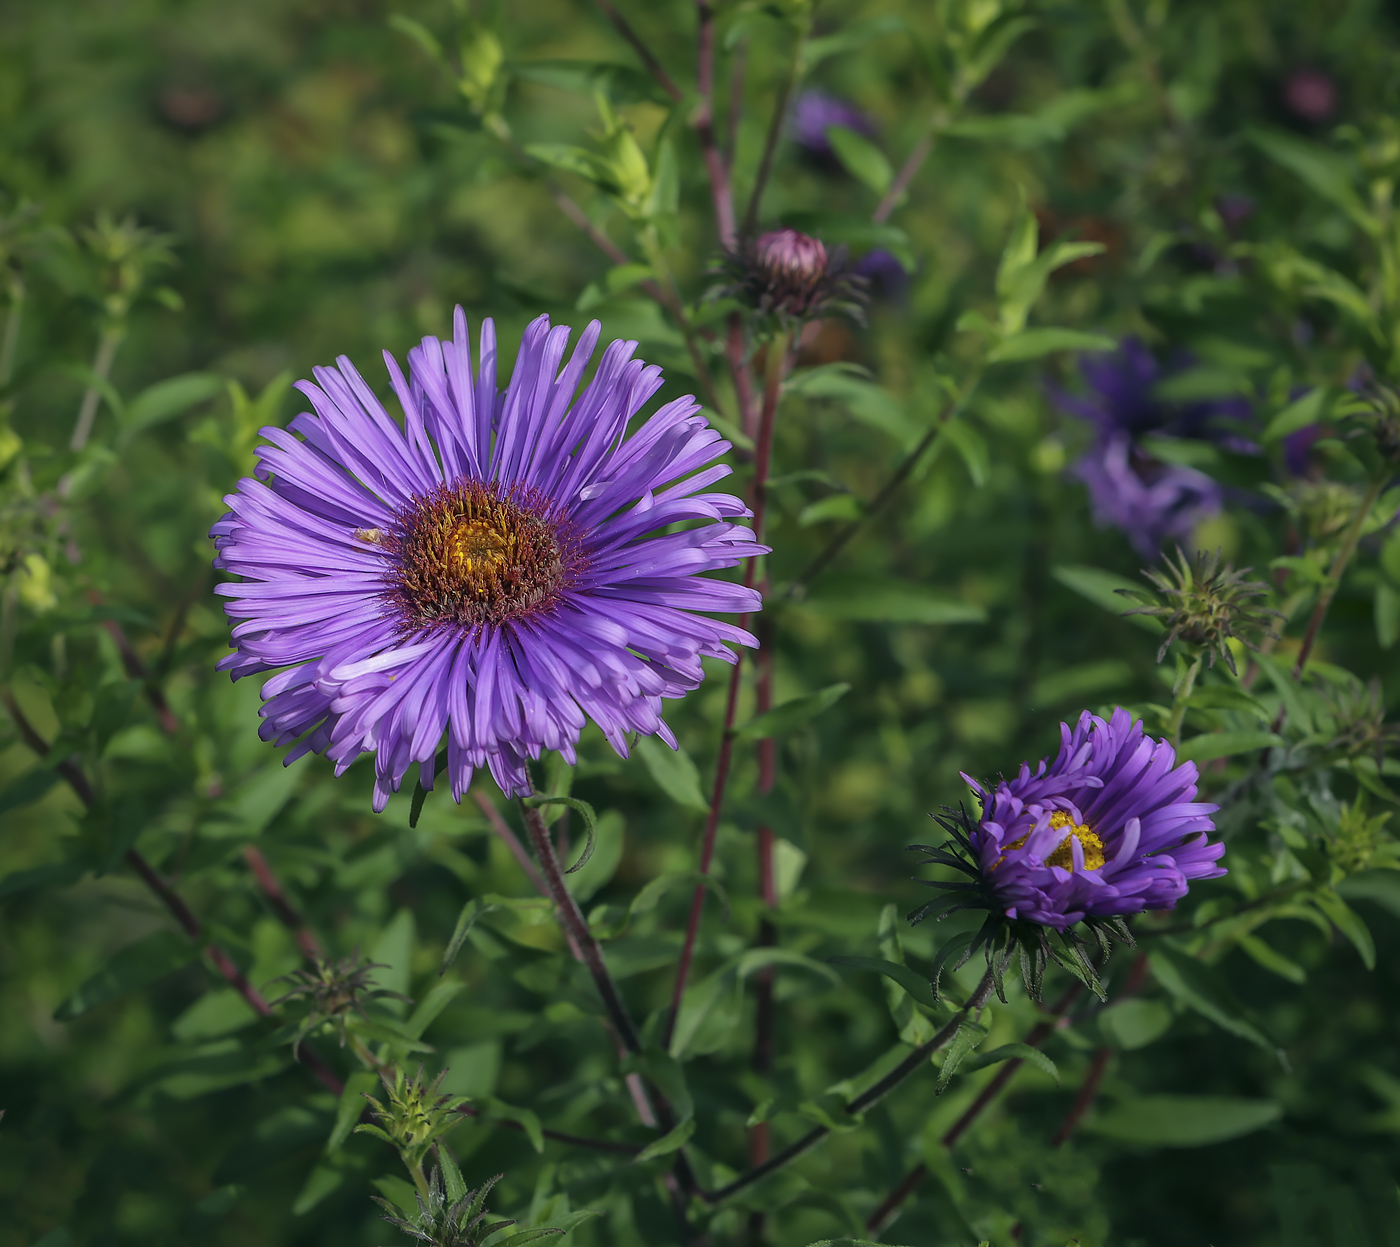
x=791 y=714
x=54 y=875
x=1348 y=922
x=1184 y=1120
x=1132 y=1024
x=1309 y=409
x=861 y=158
x=471 y=911
x=590 y=824
x=323 y=1180
x=1038 y=343
x=911 y=980
x=861 y=599
x=673 y=1140
x=419 y=33
x=1101 y=588
x=1016 y=1052
x=430 y=1006
x=968 y=1036
x=972 y=450
x=1201 y=988
x=27 y=789
x=350 y=1108
x=136 y=966
x=1215 y=745
x=674 y=772
x=1328 y=173
x=169 y=398
x=1273 y=960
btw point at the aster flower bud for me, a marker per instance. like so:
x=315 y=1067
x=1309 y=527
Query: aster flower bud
x=1205 y=606
x=335 y=992
x=790 y=275
x=443 y=1222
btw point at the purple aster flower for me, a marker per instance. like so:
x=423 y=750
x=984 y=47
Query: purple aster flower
x=815 y=112
x=1110 y=828
x=498 y=568
x=884 y=274
x=1151 y=502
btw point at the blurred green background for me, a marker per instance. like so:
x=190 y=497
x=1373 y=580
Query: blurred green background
x=325 y=190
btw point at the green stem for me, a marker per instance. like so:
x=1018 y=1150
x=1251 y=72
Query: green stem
x=1334 y=576
x=1182 y=694
x=775 y=130
x=9 y=344
x=101 y=367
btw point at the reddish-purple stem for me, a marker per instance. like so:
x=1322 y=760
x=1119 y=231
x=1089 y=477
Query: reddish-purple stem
x=281 y=906
x=762 y=459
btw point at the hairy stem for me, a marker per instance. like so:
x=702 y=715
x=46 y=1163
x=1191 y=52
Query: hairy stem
x=778 y=361
x=101 y=367
x=577 y=926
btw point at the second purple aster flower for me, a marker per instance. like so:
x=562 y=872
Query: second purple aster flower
x=498 y=568
x=1108 y=829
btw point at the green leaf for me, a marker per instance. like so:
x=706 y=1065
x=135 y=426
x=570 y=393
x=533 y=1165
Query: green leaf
x=911 y=980
x=1348 y=922
x=136 y=966
x=419 y=33
x=1381 y=887
x=1200 y=987
x=350 y=1108
x=320 y=1182
x=27 y=789
x=848 y=38
x=54 y=875
x=1329 y=174
x=791 y=714
x=1101 y=588
x=622 y=84
x=572 y=159
x=1311 y=408
x=1184 y=1120
x=1132 y=1024
x=969 y=1034
x=1037 y=343
x=861 y=158
x=972 y=450
x=1016 y=1052
x=492 y=1109
x=1225 y=745
x=674 y=772
x=860 y=599
x=1273 y=960
x=673 y=1140
x=429 y=1007
x=471 y=911
x=167 y=399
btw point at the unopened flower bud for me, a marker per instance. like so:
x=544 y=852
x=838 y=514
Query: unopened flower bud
x=790 y=275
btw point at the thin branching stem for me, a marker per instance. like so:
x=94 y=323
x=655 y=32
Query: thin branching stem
x=648 y=58
x=101 y=368
x=778 y=362
x=770 y=142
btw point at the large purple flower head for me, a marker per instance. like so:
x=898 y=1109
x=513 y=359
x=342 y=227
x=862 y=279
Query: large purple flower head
x=498 y=568
x=1110 y=828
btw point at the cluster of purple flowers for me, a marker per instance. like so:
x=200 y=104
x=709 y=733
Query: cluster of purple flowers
x=507 y=563
x=1152 y=502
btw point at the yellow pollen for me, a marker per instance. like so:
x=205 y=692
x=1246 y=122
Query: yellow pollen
x=1063 y=856
x=477 y=551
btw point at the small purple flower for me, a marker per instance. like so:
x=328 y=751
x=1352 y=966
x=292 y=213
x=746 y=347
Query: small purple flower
x=498 y=568
x=885 y=276
x=1151 y=502
x=815 y=112
x=1110 y=828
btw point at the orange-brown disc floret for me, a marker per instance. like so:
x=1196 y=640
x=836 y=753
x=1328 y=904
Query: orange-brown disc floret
x=472 y=554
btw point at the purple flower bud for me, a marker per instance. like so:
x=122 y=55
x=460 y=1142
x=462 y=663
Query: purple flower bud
x=1310 y=95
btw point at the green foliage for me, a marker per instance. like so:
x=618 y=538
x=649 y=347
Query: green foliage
x=209 y=962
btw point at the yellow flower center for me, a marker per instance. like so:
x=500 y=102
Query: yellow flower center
x=1063 y=856
x=467 y=554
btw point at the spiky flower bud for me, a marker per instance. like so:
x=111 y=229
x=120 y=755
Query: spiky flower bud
x=335 y=992
x=444 y=1222
x=791 y=276
x=1205 y=606
x=413 y=1116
